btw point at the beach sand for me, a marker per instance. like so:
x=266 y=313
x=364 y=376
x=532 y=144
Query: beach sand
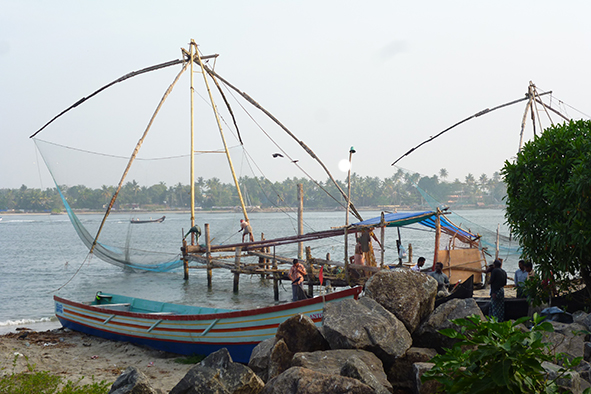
x=73 y=355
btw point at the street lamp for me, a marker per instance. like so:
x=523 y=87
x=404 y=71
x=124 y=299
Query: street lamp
x=351 y=151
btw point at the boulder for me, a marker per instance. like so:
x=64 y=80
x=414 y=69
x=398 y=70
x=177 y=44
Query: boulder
x=365 y=324
x=583 y=318
x=280 y=359
x=566 y=338
x=428 y=336
x=259 y=359
x=331 y=362
x=587 y=351
x=409 y=295
x=357 y=369
x=301 y=335
x=132 y=381
x=218 y=374
x=297 y=380
x=570 y=380
x=400 y=373
x=429 y=387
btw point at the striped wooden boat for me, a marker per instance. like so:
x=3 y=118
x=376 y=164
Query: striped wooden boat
x=185 y=329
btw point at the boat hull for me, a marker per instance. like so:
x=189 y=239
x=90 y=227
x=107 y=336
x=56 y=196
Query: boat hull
x=238 y=331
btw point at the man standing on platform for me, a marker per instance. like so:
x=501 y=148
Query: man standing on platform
x=246 y=229
x=296 y=274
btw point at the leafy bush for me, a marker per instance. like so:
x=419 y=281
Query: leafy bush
x=493 y=357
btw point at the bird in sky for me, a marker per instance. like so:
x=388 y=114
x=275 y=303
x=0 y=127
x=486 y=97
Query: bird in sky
x=276 y=155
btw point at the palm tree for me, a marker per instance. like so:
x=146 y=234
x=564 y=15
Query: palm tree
x=443 y=174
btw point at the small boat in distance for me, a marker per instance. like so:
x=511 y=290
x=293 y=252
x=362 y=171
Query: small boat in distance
x=185 y=329
x=138 y=221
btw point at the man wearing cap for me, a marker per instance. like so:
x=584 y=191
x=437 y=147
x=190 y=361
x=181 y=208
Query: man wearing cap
x=296 y=274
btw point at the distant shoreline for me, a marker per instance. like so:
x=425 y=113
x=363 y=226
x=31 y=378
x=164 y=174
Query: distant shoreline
x=261 y=210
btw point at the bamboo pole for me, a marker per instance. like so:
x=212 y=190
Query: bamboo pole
x=217 y=118
x=192 y=175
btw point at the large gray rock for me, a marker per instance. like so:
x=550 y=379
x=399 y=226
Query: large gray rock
x=260 y=356
x=571 y=380
x=428 y=336
x=280 y=359
x=400 y=373
x=218 y=374
x=132 y=381
x=331 y=362
x=583 y=318
x=357 y=369
x=566 y=338
x=301 y=335
x=409 y=295
x=365 y=324
x=430 y=386
x=297 y=380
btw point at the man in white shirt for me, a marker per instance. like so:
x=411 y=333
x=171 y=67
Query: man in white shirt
x=420 y=262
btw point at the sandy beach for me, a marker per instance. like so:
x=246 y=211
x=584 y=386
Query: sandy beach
x=74 y=355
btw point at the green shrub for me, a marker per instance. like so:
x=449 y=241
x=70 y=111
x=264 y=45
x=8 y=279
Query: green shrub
x=493 y=357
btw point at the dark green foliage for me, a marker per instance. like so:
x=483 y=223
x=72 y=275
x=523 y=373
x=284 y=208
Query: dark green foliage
x=397 y=190
x=549 y=200
x=494 y=357
x=194 y=359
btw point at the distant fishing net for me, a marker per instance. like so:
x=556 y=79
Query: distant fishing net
x=121 y=243
x=508 y=247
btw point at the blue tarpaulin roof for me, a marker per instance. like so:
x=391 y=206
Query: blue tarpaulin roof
x=426 y=218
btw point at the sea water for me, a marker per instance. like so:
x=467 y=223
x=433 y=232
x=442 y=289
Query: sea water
x=42 y=256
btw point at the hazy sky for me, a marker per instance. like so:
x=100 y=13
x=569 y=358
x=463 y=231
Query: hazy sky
x=381 y=76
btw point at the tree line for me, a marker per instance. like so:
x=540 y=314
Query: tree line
x=399 y=190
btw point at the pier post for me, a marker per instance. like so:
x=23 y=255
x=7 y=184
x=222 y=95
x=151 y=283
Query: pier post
x=262 y=259
x=310 y=272
x=185 y=260
x=208 y=255
x=275 y=278
x=300 y=219
x=237 y=269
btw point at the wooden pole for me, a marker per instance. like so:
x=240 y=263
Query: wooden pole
x=497 y=243
x=262 y=259
x=437 y=235
x=185 y=261
x=310 y=272
x=347 y=278
x=410 y=253
x=237 y=269
x=192 y=48
x=208 y=255
x=382 y=239
x=300 y=219
x=275 y=278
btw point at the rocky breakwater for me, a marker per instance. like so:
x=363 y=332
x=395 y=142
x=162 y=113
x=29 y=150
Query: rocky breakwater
x=381 y=343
